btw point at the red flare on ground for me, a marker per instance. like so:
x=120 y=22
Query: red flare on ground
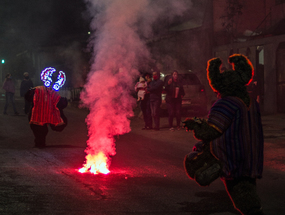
x=95 y=164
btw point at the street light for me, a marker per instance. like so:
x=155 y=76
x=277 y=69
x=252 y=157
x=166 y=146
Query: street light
x=1 y=70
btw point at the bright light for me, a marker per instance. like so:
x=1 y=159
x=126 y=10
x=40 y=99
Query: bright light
x=46 y=78
x=95 y=164
x=61 y=78
x=3 y=61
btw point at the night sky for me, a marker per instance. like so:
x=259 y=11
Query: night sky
x=37 y=26
x=31 y=24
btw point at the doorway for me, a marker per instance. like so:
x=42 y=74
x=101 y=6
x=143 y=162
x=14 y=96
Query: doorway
x=280 y=77
x=258 y=78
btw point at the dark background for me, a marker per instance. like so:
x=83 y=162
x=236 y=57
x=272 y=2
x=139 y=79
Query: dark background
x=33 y=26
x=33 y=23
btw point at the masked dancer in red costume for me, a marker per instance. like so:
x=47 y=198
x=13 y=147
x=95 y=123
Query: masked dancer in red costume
x=47 y=106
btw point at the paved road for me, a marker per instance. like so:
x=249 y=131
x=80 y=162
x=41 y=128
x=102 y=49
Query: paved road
x=147 y=175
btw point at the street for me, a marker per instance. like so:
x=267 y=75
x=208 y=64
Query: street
x=147 y=175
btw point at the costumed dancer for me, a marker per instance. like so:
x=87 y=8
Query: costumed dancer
x=47 y=106
x=233 y=134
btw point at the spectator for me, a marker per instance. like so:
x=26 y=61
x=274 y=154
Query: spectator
x=26 y=84
x=155 y=89
x=253 y=90
x=174 y=94
x=145 y=104
x=9 y=87
x=140 y=88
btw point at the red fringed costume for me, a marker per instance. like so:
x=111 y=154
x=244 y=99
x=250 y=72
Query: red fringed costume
x=45 y=110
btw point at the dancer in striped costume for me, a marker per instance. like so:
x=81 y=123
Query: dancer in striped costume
x=47 y=109
x=234 y=132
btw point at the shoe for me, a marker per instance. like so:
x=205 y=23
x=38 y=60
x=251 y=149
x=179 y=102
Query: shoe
x=171 y=129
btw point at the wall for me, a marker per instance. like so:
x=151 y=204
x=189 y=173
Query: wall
x=270 y=45
x=270 y=102
x=256 y=17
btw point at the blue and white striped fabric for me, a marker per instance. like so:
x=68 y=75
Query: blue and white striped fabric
x=240 y=147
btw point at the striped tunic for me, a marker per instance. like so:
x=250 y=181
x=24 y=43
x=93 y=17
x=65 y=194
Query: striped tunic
x=44 y=110
x=240 y=147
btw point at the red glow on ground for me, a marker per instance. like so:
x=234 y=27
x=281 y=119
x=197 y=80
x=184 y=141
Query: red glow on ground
x=95 y=164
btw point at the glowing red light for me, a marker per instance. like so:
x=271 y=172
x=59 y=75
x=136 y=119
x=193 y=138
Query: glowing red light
x=95 y=164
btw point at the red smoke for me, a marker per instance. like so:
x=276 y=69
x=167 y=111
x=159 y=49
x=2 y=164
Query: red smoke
x=110 y=104
x=117 y=50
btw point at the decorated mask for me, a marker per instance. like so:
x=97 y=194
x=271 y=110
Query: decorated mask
x=61 y=78
x=46 y=77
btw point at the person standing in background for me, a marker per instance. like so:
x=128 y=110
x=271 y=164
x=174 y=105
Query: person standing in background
x=9 y=87
x=253 y=90
x=140 y=88
x=174 y=94
x=145 y=103
x=155 y=89
x=26 y=84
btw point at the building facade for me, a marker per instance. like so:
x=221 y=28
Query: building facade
x=258 y=32
x=253 y=28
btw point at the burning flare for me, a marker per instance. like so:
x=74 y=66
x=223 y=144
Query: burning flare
x=95 y=164
x=119 y=52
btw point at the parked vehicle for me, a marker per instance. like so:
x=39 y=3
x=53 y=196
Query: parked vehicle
x=195 y=99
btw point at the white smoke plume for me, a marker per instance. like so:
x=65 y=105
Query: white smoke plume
x=118 y=28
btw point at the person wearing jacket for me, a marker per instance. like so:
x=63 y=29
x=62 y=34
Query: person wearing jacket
x=9 y=87
x=26 y=84
x=174 y=94
x=155 y=89
x=143 y=98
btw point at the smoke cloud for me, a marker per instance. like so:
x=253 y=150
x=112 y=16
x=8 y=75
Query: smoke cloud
x=120 y=29
x=74 y=62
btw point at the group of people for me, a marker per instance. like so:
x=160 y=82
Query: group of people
x=149 y=91
x=43 y=105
